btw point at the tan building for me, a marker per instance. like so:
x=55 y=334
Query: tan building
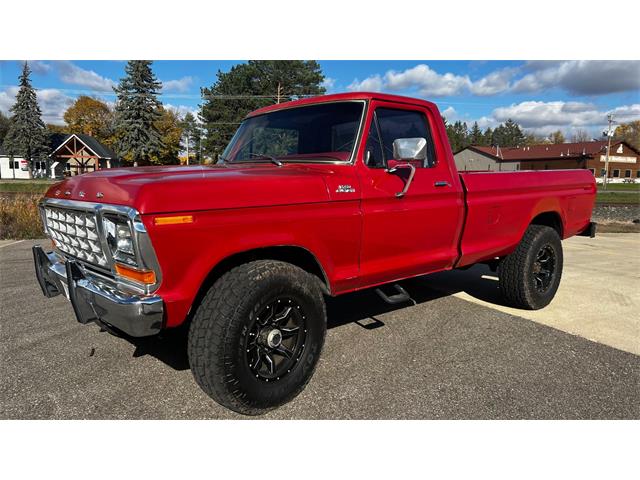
x=624 y=160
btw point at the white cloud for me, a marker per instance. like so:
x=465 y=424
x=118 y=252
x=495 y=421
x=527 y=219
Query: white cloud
x=581 y=77
x=427 y=81
x=39 y=67
x=494 y=83
x=182 y=110
x=328 y=83
x=373 y=83
x=180 y=85
x=449 y=113
x=74 y=75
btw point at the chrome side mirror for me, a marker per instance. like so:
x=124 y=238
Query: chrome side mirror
x=410 y=148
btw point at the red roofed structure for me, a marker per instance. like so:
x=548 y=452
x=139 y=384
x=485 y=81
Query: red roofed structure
x=624 y=159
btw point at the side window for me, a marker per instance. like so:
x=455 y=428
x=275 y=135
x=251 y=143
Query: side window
x=394 y=124
x=373 y=149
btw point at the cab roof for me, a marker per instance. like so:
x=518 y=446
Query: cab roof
x=344 y=97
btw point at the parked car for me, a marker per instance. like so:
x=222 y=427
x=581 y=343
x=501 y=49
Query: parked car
x=312 y=198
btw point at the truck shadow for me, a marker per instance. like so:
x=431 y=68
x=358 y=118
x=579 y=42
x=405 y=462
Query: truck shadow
x=363 y=308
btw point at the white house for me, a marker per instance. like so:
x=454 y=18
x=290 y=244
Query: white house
x=15 y=168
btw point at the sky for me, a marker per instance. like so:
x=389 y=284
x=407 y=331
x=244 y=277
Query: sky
x=541 y=96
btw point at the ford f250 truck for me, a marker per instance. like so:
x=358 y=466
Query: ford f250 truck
x=311 y=198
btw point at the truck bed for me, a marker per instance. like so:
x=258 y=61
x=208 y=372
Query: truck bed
x=500 y=205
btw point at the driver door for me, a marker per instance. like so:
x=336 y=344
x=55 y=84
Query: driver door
x=416 y=233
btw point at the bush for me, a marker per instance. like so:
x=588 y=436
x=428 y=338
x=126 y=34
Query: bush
x=19 y=217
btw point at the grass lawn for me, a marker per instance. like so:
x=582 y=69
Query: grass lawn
x=621 y=187
x=618 y=197
x=25 y=186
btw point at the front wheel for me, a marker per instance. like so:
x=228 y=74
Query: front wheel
x=257 y=335
x=530 y=276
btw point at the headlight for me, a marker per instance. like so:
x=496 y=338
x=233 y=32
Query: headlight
x=120 y=239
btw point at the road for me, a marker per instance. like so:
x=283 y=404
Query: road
x=455 y=354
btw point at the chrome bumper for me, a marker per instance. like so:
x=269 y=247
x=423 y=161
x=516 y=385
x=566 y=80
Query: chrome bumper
x=94 y=299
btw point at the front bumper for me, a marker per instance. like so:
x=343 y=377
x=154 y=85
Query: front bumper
x=96 y=299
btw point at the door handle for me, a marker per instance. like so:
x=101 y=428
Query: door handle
x=409 y=180
x=442 y=183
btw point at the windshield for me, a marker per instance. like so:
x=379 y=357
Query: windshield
x=317 y=132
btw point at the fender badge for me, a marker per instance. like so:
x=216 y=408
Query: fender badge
x=345 y=189
x=68 y=192
x=81 y=193
x=99 y=195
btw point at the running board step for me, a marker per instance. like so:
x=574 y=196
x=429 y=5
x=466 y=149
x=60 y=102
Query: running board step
x=401 y=296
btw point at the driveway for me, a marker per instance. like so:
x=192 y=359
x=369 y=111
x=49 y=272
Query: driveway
x=456 y=354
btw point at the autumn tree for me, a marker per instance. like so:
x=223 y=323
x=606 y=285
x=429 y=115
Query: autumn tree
x=92 y=117
x=137 y=114
x=169 y=128
x=27 y=135
x=556 y=137
x=629 y=132
x=249 y=86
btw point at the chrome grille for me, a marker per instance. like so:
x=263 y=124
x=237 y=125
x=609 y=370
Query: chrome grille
x=75 y=233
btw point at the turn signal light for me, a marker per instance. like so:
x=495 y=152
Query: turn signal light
x=173 y=220
x=142 y=276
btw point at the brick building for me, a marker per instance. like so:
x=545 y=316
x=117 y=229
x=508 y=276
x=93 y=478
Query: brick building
x=624 y=160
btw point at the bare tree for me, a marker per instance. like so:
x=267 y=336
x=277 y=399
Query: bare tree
x=580 y=136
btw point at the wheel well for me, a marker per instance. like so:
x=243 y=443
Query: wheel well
x=549 y=219
x=301 y=257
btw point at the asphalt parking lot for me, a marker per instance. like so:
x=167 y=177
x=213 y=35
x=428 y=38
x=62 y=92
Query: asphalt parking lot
x=456 y=354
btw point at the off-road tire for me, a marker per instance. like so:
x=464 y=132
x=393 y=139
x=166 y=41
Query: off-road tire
x=219 y=327
x=516 y=271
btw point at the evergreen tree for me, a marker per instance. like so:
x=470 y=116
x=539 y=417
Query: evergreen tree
x=475 y=135
x=458 y=136
x=27 y=135
x=488 y=137
x=137 y=113
x=508 y=134
x=249 y=86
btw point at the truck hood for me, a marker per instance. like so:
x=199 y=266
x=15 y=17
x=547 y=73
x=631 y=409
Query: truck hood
x=152 y=190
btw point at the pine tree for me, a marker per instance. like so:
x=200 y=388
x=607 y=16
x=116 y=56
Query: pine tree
x=475 y=136
x=249 y=86
x=137 y=113
x=27 y=135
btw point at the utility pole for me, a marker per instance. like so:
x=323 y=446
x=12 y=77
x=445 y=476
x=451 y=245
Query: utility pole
x=279 y=93
x=188 y=141
x=606 y=161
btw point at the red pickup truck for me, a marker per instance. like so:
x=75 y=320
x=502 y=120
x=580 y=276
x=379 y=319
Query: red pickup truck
x=311 y=198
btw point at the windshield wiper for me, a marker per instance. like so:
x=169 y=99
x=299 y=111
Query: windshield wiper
x=274 y=160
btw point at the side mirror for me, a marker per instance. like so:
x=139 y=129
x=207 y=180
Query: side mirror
x=410 y=149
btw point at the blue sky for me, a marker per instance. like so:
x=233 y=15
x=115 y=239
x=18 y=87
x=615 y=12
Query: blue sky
x=541 y=96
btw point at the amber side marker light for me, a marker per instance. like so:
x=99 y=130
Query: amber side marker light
x=176 y=219
x=142 y=276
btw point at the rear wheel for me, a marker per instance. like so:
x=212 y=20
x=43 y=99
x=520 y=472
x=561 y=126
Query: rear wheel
x=257 y=335
x=530 y=276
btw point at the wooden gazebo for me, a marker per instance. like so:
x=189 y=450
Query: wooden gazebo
x=78 y=153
